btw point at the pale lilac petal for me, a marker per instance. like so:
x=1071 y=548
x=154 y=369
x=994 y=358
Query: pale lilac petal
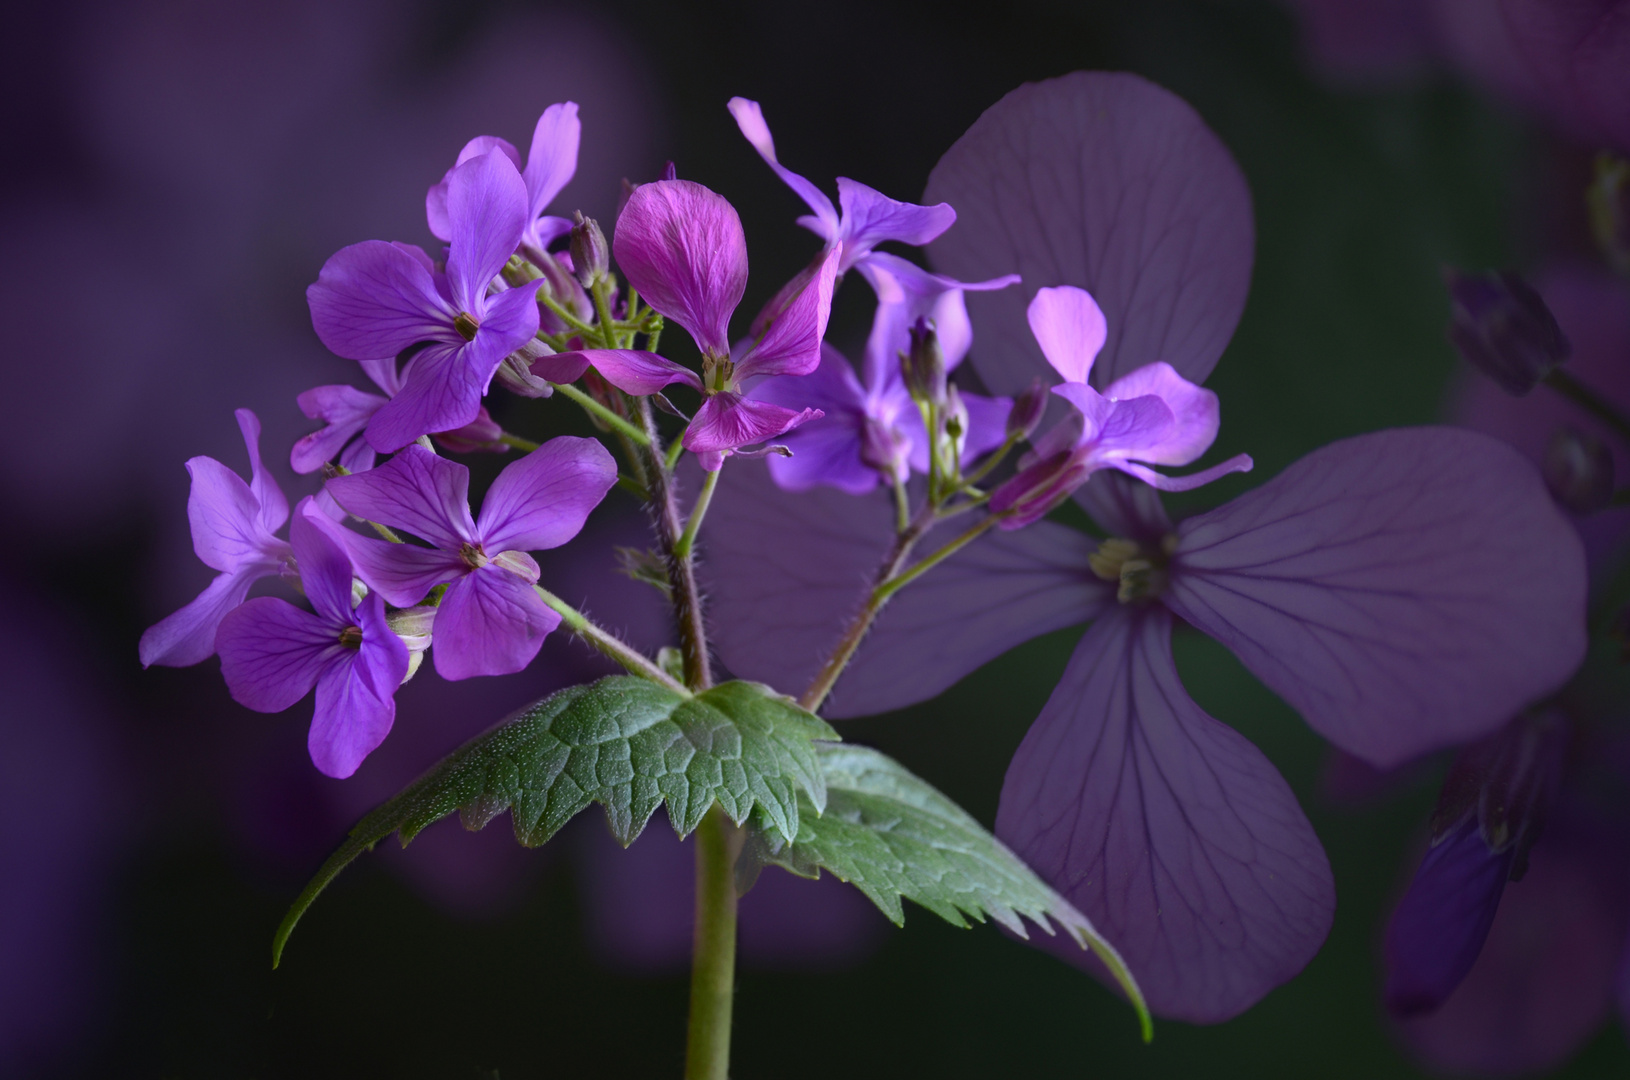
x=871 y=217
x=1543 y=983
x=490 y=622
x=1237 y=463
x=788 y=570
x=486 y=206
x=1117 y=429
x=542 y=500
x=1403 y=590
x=402 y=573
x=1439 y=926
x=225 y=517
x=274 y=508
x=435 y=200
x=905 y=293
x=1194 y=409
x=442 y=390
x=750 y=118
x=792 y=344
x=551 y=162
x=373 y=300
x=683 y=248
x=325 y=569
x=633 y=371
x=355 y=696
x=1070 y=329
x=1109 y=183
x=726 y=421
x=416 y=490
x=344 y=411
x=187 y=637
x=1170 y=831
x=1125 y=508
x=987 y=425
x=272 y=652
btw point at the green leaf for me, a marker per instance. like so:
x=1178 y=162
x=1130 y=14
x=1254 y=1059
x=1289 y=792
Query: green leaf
x=891 y=835
x=624 y=742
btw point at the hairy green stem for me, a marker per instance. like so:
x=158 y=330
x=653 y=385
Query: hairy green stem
x=687 y=597
x=608 y=643
x=900 y=580
x=603 y=414
x=688 y=539
x=713 y=967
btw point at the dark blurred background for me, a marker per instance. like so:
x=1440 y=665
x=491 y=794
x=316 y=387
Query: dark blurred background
x=176 y=171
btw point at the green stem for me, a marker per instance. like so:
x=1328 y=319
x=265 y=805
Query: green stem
x=687 y=597
x=605 y=415
x=688 y=539
x=566 y=316
x=713 y=963
x=674 y=451
x=602 y=310
x=517 y=442
x=902 y=505
x=933 y=559
x=608 y=643
x=1589 y=400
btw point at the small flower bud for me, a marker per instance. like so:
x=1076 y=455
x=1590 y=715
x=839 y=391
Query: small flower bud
x=480 y=434
x=515 y=374
x=591 y=256
x=924 y=365
x=1027 y=411
x=1579 y=471
x=1501 y=326
x=1609 y=198
x=956 y=431
x=1506 y=781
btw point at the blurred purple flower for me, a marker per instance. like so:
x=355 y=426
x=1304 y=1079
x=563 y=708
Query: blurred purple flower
x=550 y=164
x=1386 y=586
x=374 y=300
x=491 y=620
x=233 y=527
x=273 y=654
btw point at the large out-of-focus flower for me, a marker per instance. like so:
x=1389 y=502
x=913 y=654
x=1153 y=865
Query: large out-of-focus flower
x=233 y=531
x=374 y=300
x=491 y=620
x=1402 y=590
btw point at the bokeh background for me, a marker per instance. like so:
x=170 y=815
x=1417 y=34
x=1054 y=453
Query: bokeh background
x=175 y=173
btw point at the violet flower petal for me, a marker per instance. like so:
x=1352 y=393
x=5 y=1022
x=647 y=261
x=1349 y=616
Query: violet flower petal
x=1169 y=830
x=541 y=501
x=356 y=702
x=325 y=570
x=486 y=206
x=272 y=652
x=824 y=451
x=1045 y=184
x=905 y=293
x=727 y=420
x=987 y=425
x=274 y=508
x=683 y=248
x=225 y=517
x=870 y=217
x=442 y=389
x=1070 y=329
x=373 y=299
x=792 y=344
x=187 y=636
x=1439 y=926
x=490 y=622
x=1125 y=508
x=1194 y=410
x=435 y=200
x=416 y=490
x=1403 y=590
x=750 y=118
x=401 y=573
x=551 y=161
x=344 y=411
x=633 y=371
x=1237 y=463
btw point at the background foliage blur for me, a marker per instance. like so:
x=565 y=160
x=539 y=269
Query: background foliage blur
x=176 y=172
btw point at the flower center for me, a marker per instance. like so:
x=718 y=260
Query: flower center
x=466 y=325
x=718 y=372
x=351 y=637
x=1141 y=571
x=472 y=555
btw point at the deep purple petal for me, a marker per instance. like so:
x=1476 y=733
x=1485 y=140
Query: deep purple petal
x=187 y=637
x=486 y=207
x=1175 y=836
x=401 y=573
x=750 y=118
x=511 y=319
x=831 y=387
x=1439 y=926
x=789 y=570
x=1070 y=329
x=551 y=162
x=490 y=622
x=1125 y=508
x=225 y=517
x=355 y=696
x=272 y=652
x=325 y=568
x=435 y=200
x=682 y=247
x=1403 y=590
x=442 y=390
x=792 y=344
x=824 y=451
x=373 y=300
x=542 y=500
x=416 y=490
x=633 y=371
x=871 y=217
x=726 y=421
x=1112 y=184
x=386 y=374
x=274 y=508
x=344 y=411
x=1194 y=410
x=561 y=368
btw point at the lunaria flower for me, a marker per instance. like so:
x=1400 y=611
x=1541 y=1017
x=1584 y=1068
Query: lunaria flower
x=273 y=653
x=375 y=300
x=682 y=247
x=233 y=531
x=874 y=431
x=551 y=162
x=491 y=620
x=1403 y=590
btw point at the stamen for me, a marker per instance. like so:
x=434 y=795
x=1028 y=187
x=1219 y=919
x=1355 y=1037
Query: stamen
x=351 y=637
x=466 y=325
x=472 y=555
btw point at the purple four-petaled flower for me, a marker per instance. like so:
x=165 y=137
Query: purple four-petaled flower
x=490 y=621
